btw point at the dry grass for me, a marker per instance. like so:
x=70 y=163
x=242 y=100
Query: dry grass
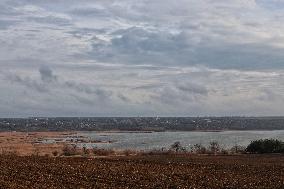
x=102 y=152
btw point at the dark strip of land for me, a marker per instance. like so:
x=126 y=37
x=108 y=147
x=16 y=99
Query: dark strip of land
x=157 y=124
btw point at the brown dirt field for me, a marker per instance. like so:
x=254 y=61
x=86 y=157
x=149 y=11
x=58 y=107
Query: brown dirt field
x=175 y=171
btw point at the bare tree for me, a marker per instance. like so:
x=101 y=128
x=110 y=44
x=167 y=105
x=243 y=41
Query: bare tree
x=214 y=147
x=177 y=147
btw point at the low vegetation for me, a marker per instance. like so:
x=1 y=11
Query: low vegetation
x=258 y=146
x=102 y=152
x=70 y=150
x=214 y=148
x=266 y=146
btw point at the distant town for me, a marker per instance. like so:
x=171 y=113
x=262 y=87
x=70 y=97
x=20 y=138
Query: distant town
x=157 y=124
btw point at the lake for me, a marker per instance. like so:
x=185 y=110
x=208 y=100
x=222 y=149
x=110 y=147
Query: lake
x=158 y=140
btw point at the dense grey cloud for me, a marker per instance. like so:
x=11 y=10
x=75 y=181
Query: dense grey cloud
x=46 y=74
x=4 y=24
x=141 y=57
x=138 y=46
x=271 y=4
x=28 y=82
x=193 y=88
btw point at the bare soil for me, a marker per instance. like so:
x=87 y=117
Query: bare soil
x=162 y=171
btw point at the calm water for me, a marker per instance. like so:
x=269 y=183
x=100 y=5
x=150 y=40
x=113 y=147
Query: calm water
x=158 y=140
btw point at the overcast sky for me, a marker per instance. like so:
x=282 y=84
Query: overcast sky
x=141 y=57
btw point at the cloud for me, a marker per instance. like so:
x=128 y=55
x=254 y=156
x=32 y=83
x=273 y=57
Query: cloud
x=141 y=57
x=51 y=82
x=208 y=33
x=82 y=88
x=193 y=88
x=139 y=46
x=46 y=74
x=5 y=24
x=90 y=12
x=271 y=4
x=58 y=21
x=179 y=91
x=28 y=82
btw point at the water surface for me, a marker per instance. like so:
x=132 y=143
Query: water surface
x=158 y=140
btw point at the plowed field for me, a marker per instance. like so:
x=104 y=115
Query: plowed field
x=243 y=171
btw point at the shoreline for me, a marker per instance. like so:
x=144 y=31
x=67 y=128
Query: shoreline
x=153 y=131
x=47 y=142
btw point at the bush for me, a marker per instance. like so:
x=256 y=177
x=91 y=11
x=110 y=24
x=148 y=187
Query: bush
x=85 y=151
x=9 y=152
x=55 y=153
x=69 y=150
x=102 y=152
x=36 y=151
x=199 y=149
x=266 y=146
x=156 y=152
x=214 y=147
x=224 y=152
x=177 y=147
x=128 y=152
x=238 y=149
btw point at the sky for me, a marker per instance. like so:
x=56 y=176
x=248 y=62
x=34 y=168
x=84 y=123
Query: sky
x=141 y=58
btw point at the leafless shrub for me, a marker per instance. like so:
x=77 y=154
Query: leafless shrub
x=35 y=151
x=224 y=152
x=69 y=150
x=177 y=147
x=9 y=152
x=214 y=147
x=238 y=149
x=85 y=151
x=155 y=152
x=199 y=149
x=102 y=152
x=55 y=153
x=129 y=152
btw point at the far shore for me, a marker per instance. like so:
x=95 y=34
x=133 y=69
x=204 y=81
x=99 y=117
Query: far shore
x=135 y=131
